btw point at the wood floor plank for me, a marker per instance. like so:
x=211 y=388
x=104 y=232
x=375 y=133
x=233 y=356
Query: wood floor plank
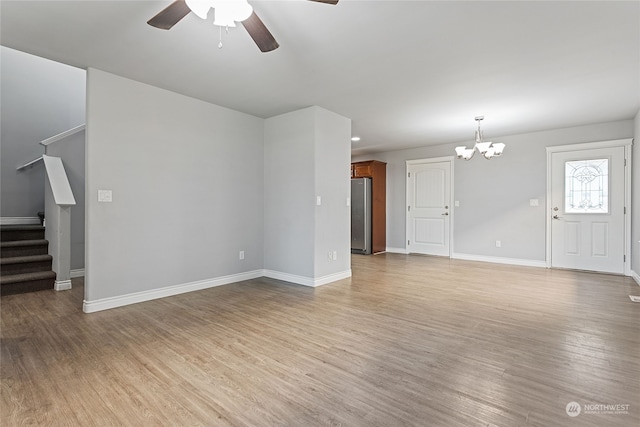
x=408 y=340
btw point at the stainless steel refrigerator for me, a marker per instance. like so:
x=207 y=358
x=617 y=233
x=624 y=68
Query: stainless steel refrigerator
x=361 y=215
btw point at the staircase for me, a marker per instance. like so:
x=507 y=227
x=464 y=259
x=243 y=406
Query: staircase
x=25 y=265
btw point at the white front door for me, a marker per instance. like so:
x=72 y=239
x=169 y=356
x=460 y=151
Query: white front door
x=587 y=209
x=429 y=208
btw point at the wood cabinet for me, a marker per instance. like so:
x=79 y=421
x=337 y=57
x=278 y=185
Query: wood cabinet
x=377 y=171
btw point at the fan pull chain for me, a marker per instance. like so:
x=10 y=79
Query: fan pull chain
x=220 y=42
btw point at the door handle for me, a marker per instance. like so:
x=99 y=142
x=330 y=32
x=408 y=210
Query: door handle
x=446 y=213
x=556 y=217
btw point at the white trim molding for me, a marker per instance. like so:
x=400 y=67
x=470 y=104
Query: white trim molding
x=307 y=281
x=76 y=273
x=501 y=260
x=122 y=300
x=134 y=298
x=20 y=220
x=62 y=285
x=397 y=250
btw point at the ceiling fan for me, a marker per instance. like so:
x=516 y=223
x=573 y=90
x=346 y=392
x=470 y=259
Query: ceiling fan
x=177 y=10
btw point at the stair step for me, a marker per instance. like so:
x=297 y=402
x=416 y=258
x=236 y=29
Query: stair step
x=25 y=264
x=27 y=282
x=24 y=248
x=21 y=232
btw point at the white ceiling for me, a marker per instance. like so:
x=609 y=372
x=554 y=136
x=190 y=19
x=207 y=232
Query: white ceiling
x=408 y=73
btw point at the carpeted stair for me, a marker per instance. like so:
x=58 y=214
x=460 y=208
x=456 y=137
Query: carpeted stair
x=25 y=265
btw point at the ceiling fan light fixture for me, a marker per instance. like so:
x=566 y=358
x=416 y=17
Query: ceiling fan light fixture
x=228 y=12
x=200 y=7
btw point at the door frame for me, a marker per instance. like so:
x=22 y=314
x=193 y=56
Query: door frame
x=408 y=163
x=626 y=144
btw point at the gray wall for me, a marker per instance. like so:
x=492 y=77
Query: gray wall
x=333 y=185
x=635 y=200
x=39 y=98
x=289 y=196
x=493 y=194
x=187 y=182
x=307 y=154
x=71 y=151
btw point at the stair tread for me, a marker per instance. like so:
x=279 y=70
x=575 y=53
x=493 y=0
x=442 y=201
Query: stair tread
x=14 y=243
x=25 y=277
x=21 y=227
x=24 y=259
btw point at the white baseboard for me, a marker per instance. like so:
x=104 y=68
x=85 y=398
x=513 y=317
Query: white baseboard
x=500 y=260
x=62 y=285
x=397 y=250
x=119 y=301
x=636 y=277
x=19 y=220
x=307 y=281
x=77 y=273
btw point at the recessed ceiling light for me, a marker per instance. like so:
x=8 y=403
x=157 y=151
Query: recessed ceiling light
x=355 y=138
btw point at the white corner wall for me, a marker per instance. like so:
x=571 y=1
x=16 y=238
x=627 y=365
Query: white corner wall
x=289 y=195
x=333 y=185
x=307 y=155
x=187 y=185
x=493 y=194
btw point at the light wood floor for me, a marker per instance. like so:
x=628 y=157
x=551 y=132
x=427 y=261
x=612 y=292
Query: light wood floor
x=409 y=340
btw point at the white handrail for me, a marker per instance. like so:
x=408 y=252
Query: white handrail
x=29 y=164
x=62 y=135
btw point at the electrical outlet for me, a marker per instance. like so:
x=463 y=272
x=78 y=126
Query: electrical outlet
x=335 y=255
x=330 y=256
x=241 y=255
x=498 y=244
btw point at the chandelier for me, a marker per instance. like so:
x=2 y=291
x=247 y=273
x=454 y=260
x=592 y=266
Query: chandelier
x=487 y=149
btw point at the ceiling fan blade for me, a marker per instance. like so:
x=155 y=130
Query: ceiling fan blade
x=170 y=15
x=326 y=1
x=259 y=33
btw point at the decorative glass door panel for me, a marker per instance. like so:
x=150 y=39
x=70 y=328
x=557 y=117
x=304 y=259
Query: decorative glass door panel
x=586 y=186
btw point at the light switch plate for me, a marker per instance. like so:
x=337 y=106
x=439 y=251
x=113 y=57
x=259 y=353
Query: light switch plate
x=318 y=200
x=534 y=202
x=105 y=196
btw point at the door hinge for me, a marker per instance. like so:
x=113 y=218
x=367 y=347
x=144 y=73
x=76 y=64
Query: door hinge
x=624 y=258
x=408 y=174
x=408 y=242
x=625 y=210
x=625 y=162
x=408 y=208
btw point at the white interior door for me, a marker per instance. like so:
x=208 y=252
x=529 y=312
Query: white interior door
x=587 y=209
x=428 y=208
